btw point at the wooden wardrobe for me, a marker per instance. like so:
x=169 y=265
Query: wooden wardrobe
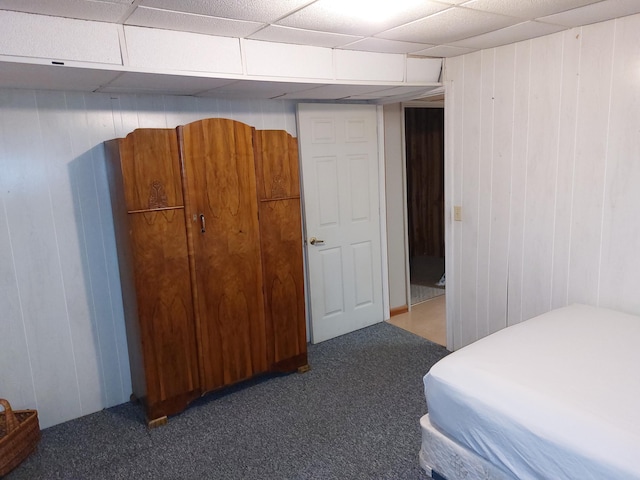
x=209 y=239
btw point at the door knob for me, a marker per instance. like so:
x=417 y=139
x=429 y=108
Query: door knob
x=316 y=241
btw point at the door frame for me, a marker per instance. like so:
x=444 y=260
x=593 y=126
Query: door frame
x=382 y=220
x=447 y=105
x=384 y=257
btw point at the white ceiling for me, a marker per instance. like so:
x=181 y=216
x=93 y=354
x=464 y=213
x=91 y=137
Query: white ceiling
x=422 y=28
x=435 y=28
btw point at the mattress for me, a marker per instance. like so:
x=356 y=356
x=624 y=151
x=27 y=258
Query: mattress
x=557 y=396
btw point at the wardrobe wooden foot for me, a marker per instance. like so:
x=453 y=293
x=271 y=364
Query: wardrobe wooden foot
x=304 y=368
x=157 y=422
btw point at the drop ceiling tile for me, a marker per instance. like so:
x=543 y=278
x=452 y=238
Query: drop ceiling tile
x=414 y=92
x=100 y=11
x=434 y=98
x=512 y=34
x=526 y=10
x=329 y=16
x=269 y=59
x=163 y=84
x=143 y=91
x=597 y=12
x=444 y=51
x=251 y=10
x=58 y=38
x=422 y=69
x=187 y=22
x=350 y=65
x=449 y=26
x=381 y=45
x=332 y=92
x=50 y=77
x=276 y=33
x=257 y=89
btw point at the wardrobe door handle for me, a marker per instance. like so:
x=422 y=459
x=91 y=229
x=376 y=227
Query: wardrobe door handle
x=202 y=223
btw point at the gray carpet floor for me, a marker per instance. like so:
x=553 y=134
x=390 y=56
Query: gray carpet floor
x=354 y=415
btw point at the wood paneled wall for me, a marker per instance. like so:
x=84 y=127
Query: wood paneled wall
x=543 y=158
x=424 y=137
x=62 y=341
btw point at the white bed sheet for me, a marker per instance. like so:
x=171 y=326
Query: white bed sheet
x=557 y=396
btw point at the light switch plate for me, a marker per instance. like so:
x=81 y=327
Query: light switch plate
x=457 y=213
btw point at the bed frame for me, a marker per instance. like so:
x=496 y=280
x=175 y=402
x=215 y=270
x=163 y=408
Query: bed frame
x=444 y=459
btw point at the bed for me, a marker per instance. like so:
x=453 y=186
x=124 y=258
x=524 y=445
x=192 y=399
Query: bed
x=556 y=396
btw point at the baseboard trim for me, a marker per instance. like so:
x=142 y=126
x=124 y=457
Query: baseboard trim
x=398 y=310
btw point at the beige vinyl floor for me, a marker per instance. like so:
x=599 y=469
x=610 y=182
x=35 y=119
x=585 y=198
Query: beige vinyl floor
x=426 y=319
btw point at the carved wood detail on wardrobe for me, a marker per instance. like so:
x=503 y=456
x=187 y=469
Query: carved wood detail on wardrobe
x=209 y=239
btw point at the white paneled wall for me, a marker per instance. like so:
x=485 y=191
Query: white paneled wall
x=544 y=155
x=62 y=339
x=396 y=199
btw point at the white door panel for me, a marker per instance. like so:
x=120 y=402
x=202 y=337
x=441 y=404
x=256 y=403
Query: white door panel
x=339 y=156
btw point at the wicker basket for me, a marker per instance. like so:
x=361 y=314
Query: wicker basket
x=19 y=435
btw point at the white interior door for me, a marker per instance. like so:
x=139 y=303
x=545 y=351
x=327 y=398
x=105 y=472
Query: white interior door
x=339 y=157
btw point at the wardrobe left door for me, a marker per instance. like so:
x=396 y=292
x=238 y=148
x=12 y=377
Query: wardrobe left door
x=153 y=255
x=218 y=160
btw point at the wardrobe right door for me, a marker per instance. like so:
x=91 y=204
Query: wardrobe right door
x=281 y=242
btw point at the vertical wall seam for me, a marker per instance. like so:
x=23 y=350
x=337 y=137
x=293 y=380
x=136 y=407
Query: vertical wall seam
x=62 y=282
x=109 y=280
x=555 y=199
x=526 y=181
x=120 y=128
x=449 y=188
x=606 y=159
x=90 y=279
x=20 y=303
x=136 y=98
x=262 y=115
x=164 y=110
x=463 y=84
x=491 y=157
x=3 y=153
x=59 y=259
x=513 y=121
x=573 y=166
x=479 y=162
x=109 y=285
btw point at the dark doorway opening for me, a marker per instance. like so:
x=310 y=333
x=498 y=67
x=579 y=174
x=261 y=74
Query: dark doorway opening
x=424 y=138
